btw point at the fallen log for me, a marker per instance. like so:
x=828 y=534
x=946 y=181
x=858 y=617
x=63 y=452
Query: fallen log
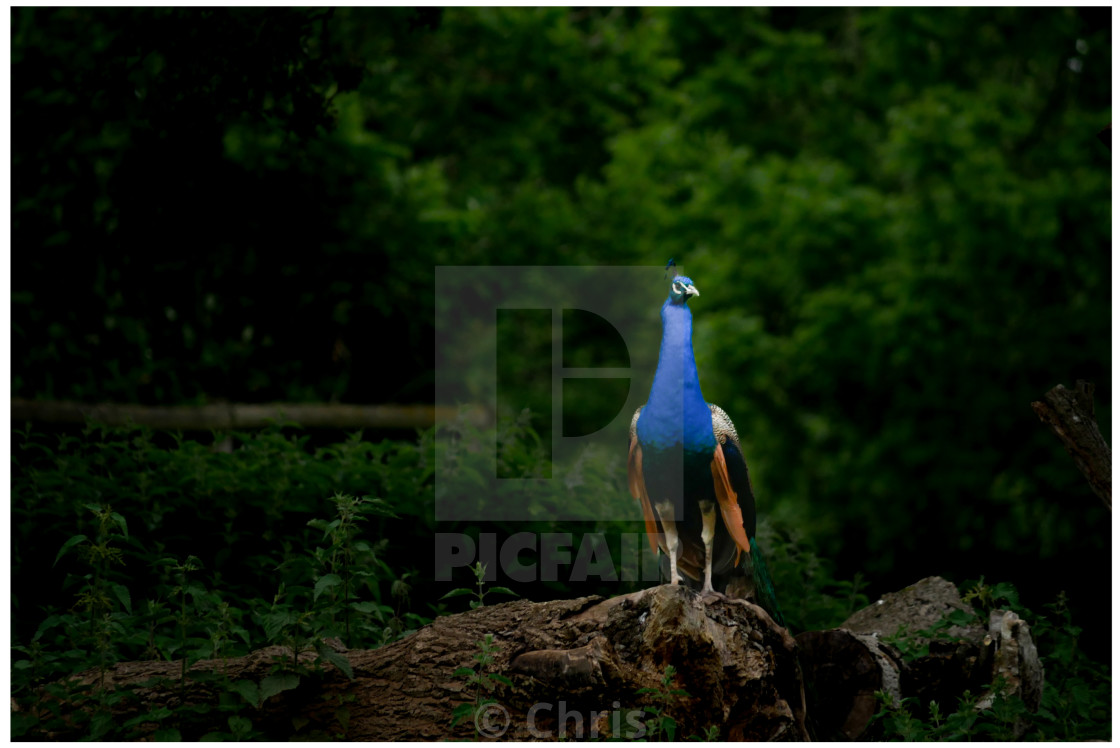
x=224 y=416
x=591 y=668
x=580 y=668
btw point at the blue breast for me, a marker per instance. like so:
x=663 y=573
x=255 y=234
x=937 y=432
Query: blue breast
x=676 y=418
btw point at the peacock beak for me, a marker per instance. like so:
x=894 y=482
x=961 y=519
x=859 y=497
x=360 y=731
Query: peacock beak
x=691 y=291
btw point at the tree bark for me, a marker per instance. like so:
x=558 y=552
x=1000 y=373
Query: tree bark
x=1070 y=415
x=576 y=667
x=843 y=672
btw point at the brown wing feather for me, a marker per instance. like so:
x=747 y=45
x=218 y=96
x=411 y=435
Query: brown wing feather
x=638 y=491
x=728 y=502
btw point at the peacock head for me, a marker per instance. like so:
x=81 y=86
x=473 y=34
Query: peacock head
x=682 y=289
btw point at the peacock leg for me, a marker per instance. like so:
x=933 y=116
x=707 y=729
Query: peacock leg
x=708 y=535
x=669 y=527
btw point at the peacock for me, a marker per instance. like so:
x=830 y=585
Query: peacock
x=686 y=468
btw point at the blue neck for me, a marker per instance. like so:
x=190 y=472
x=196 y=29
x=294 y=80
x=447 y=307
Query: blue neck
x=676 y=414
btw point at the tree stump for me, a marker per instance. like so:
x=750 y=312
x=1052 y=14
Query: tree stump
x=844 y=667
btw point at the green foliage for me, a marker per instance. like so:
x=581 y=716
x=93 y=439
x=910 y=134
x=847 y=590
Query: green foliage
x=481 y=682
x=282 y=572
x=999 y=721
x=874 y=221
x=594 y=488
x=810 y=592
x=987 y=598
x=710 y=735
x=1076 y=698
x=662 y=726
x=333 y=581
x=479 y=594
x=257 y=499
x=914 y=644
x=1077 y=702
x=899 y=248
x=349 y=562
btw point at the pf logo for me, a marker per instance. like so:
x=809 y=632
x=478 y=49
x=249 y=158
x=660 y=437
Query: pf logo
x=538 y=371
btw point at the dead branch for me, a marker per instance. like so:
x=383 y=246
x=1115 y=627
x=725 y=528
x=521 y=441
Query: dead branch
x=1070 y=415
x=223 y=416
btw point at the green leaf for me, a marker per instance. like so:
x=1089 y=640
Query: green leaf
x=462 y=672
x=274 y=623
x=502 y=591
x=67 y=546
x=342 y=714
x=249 y=691
x=366 y=607
x=241 y=727
x=501 y=679
x=22 y=722
x=274 y=684
x=100 y=724
x=960 y=618
x=1005 y=591
x=167 y=735
x=335 y=658
x=121 y=523
x=121 y=592
x=458 y=593
x=215 y=737
x=320 y=524
x=156 y=715
x=669 y=725
x=49 y=623
x=325 y=582
x=463 y=710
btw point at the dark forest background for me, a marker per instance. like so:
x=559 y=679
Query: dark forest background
x=900 y=220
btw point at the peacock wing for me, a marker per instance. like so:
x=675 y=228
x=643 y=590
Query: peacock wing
x=736 y=463
x=637 y=482
x=728 y=503
x=732 y=482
